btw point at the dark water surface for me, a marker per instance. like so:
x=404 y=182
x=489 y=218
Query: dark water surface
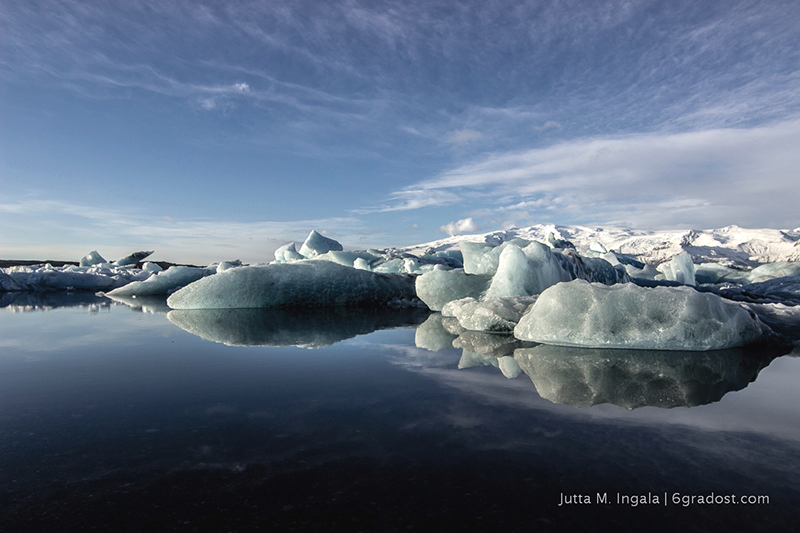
x=115 y=419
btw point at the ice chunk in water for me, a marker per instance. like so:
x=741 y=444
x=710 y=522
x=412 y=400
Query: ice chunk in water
x=492 y=314
x=298 y=284
x=440 y=286
x=92 y=258
x=151 y=267
x=579 y=313
x=778 y=269
x=287 y=252
x=132 y=259
x=680 y=268
x=316 y=244
x=163 y=282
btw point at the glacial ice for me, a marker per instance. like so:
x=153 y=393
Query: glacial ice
x=315 y=244
x=516 y=272
x=579 y=313
x=287 y=252
x=491 y=314
x=45 y=278
x=779 y=269
x=92 y=258
x=440 y=286
x=582 y=377
x=151 y=267
x=163 y=282
x=133 y=259
x=297 y=284
x=680 y=268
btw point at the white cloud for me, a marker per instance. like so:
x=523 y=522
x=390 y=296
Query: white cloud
x=730 y=175
x=466 y=225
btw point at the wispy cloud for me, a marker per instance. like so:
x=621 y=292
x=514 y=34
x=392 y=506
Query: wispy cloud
x=464 y=136
x=641 y=178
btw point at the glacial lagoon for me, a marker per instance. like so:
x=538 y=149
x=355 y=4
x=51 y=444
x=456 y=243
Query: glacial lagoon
x=118 y=417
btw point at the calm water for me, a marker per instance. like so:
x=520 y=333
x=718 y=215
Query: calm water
x=121 y=419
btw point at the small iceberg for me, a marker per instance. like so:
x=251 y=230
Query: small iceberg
x=579 y=313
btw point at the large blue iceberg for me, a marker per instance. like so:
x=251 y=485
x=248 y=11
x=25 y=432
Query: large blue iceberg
x=297 y=284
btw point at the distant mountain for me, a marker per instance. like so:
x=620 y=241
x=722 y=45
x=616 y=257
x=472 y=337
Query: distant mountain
x=731 y=245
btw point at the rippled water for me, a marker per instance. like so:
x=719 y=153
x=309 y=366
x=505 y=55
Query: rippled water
x=130 y=419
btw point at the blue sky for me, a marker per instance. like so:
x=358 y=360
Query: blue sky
x=220 y=130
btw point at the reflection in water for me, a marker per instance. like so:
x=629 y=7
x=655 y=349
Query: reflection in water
x=28 y=301
x=152 y=303
x=308 y=328
x=582 y=377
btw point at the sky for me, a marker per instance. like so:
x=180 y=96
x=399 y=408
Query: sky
x=217 y=130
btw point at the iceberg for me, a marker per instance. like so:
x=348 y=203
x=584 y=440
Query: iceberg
x=779 y=269
x=315 y=244
x=92 y=258
x=440 y=286
x=152 y=267
x=492 y=314
x=132 y=259
x=163 y=282
x=69 y=278
x=516 y=272
x=297 y=284
x=286 y=253
x=680 y=268
x=579 y=313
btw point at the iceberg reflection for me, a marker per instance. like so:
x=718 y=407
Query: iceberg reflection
x=148 y=303
x=45 y=301
x=582 y=377
x=307 y=328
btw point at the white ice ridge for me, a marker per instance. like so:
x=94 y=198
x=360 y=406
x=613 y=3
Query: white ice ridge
x=163 y=282
x=296 y=284
x=46 y=278
x=593 y=315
